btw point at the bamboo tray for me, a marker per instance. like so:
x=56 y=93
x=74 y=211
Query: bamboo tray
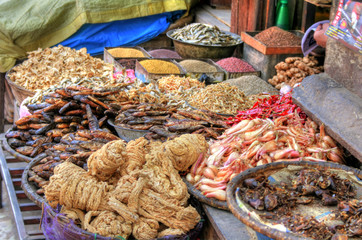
x=248 y=38
x=13 y=152
x=29 y=187
x=209 y=201
x=267 y=170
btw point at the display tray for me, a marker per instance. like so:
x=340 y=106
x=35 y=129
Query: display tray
x=13 y=152
x=125 y=62
x=146 y=77
x=209 y=201
x=30 y=188
x=218 y=76
x=248 y=215
x=249 y=39
x=127 y=134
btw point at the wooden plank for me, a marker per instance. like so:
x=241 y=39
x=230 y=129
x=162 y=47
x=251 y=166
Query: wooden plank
x=16 y=182
x=234 y=16
x=16 y=172
x=12 y=196
x=308 y=16
x=223 y=15
x=203 y=16
x=32 y=219
x=20 y=194
x=227 y=226
x=28 y=206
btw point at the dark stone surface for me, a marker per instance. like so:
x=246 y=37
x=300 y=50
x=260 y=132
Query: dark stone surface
x=327 y=101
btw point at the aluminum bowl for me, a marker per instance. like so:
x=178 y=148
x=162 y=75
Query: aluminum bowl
x=193 y=50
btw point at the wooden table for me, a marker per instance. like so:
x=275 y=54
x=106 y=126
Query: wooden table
x=223 y=225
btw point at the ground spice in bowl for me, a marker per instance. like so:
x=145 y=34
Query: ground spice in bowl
x=233 y=64
x=164 y=53
x=275 y=36
x=160 y=67
x=197 y=66
x=126 y=53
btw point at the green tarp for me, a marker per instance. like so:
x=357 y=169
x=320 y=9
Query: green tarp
x=26 y=25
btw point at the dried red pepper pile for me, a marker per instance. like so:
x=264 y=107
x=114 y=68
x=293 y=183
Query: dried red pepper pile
x=272 y=107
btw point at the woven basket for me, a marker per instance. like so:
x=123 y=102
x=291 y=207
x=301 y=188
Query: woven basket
x=29 y=187
x=69 y=230
x=15 y=153
x=62 y=226
x=267 y=170
x=19 y=92
x=209 y=201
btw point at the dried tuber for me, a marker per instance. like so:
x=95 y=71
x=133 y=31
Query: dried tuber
x=294 y=69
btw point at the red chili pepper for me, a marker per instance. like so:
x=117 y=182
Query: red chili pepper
x=271 y=107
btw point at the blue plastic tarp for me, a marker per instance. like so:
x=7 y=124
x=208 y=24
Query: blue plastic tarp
x=130 y=32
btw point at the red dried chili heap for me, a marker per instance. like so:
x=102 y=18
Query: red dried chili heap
x=272 y=107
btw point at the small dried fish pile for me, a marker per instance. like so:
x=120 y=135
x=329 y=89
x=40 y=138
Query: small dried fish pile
x=220 y=98
x=307 y=186
x=256 y=142
x=175 y=83
x=204 y=34
x=130 y=189
x=165 y=122
x=48 y=67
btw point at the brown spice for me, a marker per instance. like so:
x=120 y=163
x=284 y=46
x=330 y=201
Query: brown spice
x=125 y=52
x=275 y=37
x=160 y=67
x=197 y=66
x=164 y=53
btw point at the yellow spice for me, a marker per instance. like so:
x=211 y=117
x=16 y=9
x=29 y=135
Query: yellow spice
x=160 y=67
x=125 y=52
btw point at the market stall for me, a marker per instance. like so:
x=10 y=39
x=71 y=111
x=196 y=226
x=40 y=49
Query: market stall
x=159 y=144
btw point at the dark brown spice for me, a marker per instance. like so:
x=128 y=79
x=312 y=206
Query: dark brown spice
x=276 y=37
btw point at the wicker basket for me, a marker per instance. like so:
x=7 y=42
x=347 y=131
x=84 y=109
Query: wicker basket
x=13 y=152
x=69 y=230
x=29 y=187
x=19 y=92
x=267 y=170
x=126 y=133
x=209 y=201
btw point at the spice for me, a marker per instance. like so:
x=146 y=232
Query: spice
x=275 y=37
x=220 y=98
x=125 y=53
x=174 y=83
x=272 y=107
x=233 y=64
x=160 y=67
x=251 y=84
x=197 y=66
x=164 y=53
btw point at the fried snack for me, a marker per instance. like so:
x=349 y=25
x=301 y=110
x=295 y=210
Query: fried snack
x=167 y=211
x=169 y=231
x=104 y=162
x=107 y=224
x=72 y=187
x=164 y=178
x=136 y=152
x=183 y=151
x=145 y=229
x=75 y=214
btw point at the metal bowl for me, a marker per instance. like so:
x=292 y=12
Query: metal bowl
x=193 y=50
